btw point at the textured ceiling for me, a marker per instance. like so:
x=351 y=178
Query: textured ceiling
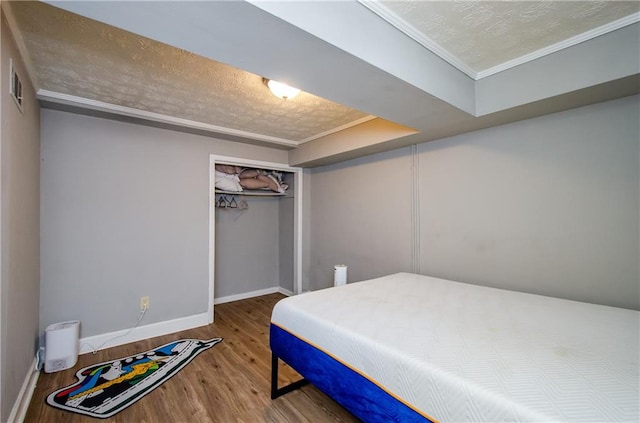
x=76 y=56
x=81 y=57
x=485 y=34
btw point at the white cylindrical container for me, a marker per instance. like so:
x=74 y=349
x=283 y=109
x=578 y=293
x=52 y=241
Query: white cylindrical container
x=61 y=346
x=339 y=274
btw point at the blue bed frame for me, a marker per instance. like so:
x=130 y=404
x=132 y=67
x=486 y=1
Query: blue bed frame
x=349 y=388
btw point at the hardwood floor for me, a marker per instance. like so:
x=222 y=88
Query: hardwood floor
x=227 y=383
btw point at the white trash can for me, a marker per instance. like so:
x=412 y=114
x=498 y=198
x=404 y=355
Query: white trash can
x=61 y=346
x=339 y=274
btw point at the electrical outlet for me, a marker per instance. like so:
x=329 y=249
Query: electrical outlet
x=144 y=303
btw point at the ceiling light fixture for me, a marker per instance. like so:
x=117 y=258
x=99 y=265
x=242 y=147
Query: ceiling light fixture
x=281 y=90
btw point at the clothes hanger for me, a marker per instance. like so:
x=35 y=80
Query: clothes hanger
x=220 y=203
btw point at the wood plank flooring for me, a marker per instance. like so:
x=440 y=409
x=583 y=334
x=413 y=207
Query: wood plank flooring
x=227 y=383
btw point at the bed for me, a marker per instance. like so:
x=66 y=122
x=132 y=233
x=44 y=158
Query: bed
x=409 y=347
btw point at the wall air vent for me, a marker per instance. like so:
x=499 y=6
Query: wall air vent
x=15 y=86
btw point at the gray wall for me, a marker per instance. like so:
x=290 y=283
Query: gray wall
x=286 y=219
x=609 y=57
x=254 y=247
x=20 y=217
x=125 y=214
x=247 y=247
x=361 y=217
x=548 y=205
x=306 y=229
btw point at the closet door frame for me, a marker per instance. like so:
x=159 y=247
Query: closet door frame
x=297 y=217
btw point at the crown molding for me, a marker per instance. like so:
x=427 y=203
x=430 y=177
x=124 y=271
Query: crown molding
x=376 y=7
x=85 y=103
x=569 y=42
x=339 y=128
x=386 y=14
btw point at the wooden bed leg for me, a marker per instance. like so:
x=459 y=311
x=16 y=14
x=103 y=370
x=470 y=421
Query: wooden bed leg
x=275 y=391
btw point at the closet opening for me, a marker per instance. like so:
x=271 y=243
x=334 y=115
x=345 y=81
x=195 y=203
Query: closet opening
x=255 y=210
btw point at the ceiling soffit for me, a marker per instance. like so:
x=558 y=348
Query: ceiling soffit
x=482 y=38
x=109 y=66
x=381 y=81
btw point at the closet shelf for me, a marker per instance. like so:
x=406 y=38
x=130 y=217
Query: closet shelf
x=254 y=193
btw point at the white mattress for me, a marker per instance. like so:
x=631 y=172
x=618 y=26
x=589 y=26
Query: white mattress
x=465 y=353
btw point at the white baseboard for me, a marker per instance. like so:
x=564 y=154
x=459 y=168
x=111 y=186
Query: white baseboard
x=19 y=410
x=285 y=292
x=121 y=337
x=125 y=336
x=245 y=295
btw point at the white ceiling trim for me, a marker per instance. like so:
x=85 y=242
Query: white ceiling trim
x=453 y=60
x=569 y=42
x=71 y=100
x=339 y=128
x=418 y=36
